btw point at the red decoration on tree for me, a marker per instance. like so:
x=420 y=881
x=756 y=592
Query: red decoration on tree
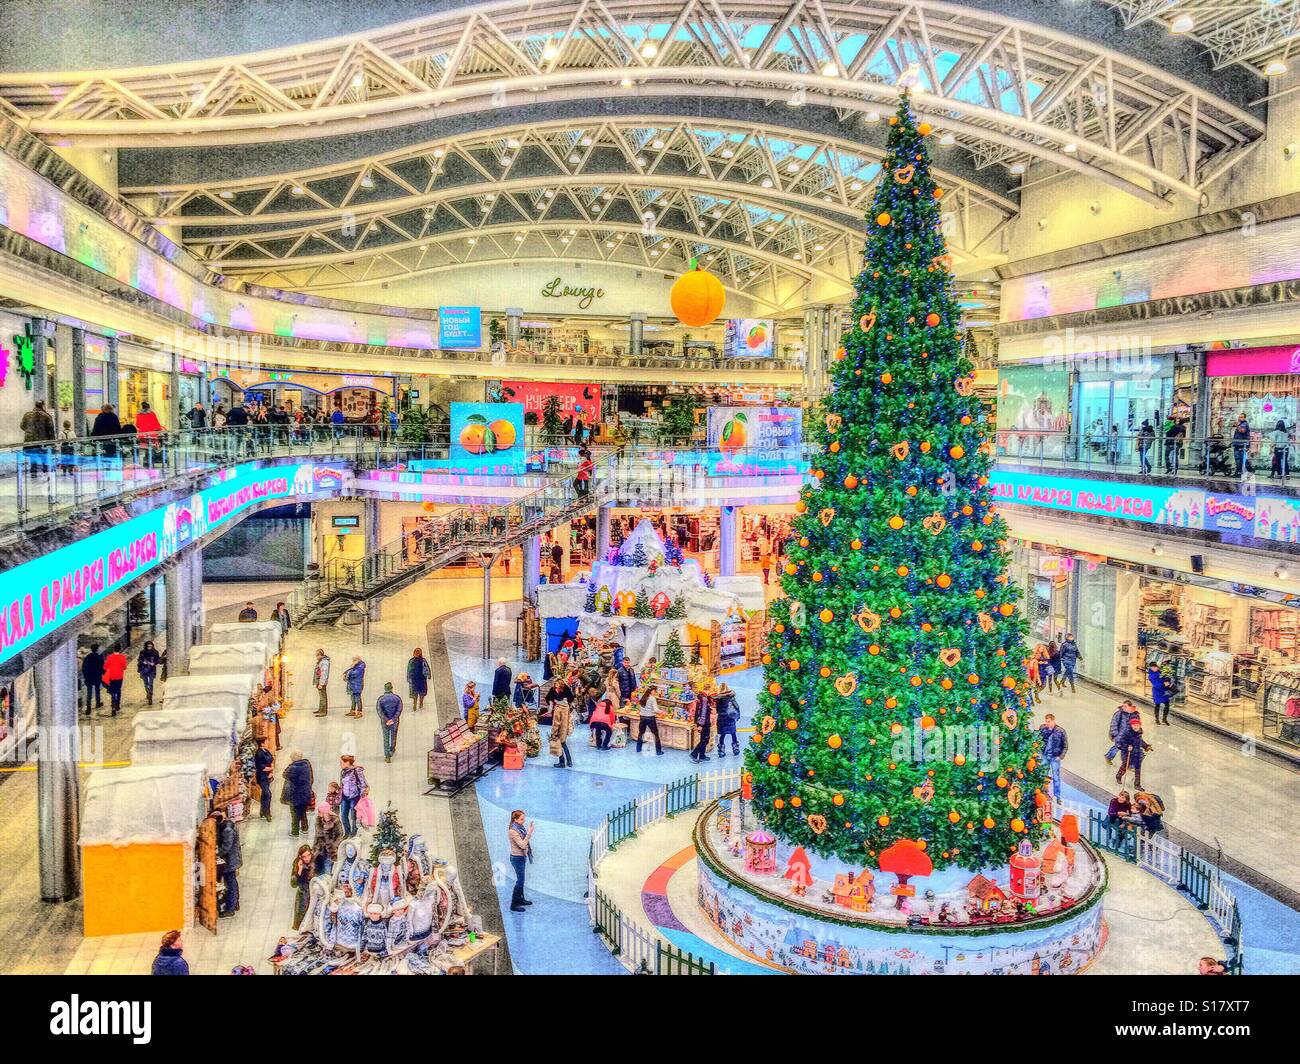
x=905 y=859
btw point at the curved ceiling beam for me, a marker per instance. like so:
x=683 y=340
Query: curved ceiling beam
x=1029 y=90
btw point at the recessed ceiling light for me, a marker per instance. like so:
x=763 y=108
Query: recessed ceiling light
x=641 y=160
x=607 y=195
x=715 y=215
x=947 y=139
x=564 y=240
x=797 y=255
x=512 y=142
x=225 y=193
x=626 y=83
x=490 y=196
x=438 y=153
x=654 y=251
x=572 y=232
x=585 y=142
x=766 y=182
x=472 y=240
x=298 y=190
x=855 y=186
x=548 y=193
x=831 y=69
x=727 y=153
x=367 y=181
x=573 y=158
x=1275 y=68
x=1070 y=148
x=1182 y=24
x=506 y=160
x=518 y=237
x=871 y=116
x=649 y=50
x=792 y=167
x=769 y=229
x=549 y=52
x=1017 y=168
x=657 y=144
x=609 y=243
x=819 y=247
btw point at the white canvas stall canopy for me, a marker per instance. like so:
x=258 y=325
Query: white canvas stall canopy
x=150 y=804
x=268 y=632
x=216 y=659
x=197 y=692
x=184 y=736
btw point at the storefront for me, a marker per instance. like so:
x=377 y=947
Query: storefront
x=360 y=396
x=1230 y=652
x=1261 y=383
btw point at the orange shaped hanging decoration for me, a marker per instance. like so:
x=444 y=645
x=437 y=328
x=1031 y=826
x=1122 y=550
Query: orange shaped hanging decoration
x=697 y=297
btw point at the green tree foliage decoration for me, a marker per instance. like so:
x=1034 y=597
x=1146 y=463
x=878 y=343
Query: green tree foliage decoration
x=674 y=653
x=912 y=646
x=388 y=835
x=552 y=418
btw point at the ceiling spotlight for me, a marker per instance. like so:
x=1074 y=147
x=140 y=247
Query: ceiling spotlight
x=573 y=158
x=831 y=69
x=1070 y=148
x=819 y=247
x=585 y=142
x=367 y=181
x=564 y=240
x=626 y=83
x=438 y=153
x=607 y=195
x=609 y=243
x=548 y=193
x=641 y=160
x=766 y=182
x=797 y=255
x=792 y=167
x=649 y=50
x=572 y=232
x=947 y=139
x=657 y=144
x=654 y=251
x=519 y=237
x=549 y=52
x=1017 y=168
x=855 y=186
x=871 y=116
x=472 y=240
x=1182 y=24
x=715 y=215
x=225 y=193
x=506 y=160
x=727 y=153
x=512 y=142
x=1275 y=68
x=298 y=190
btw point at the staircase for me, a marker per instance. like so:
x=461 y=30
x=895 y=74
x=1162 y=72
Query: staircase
x=468 y=531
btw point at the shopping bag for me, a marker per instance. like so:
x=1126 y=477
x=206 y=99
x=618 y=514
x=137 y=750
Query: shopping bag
x=366 y=812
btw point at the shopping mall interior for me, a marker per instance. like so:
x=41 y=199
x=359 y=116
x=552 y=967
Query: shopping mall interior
x=649 y=487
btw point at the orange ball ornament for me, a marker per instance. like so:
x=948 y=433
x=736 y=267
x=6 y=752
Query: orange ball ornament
x=774 y=688
x=1017 y=825
x=943 y=580
x=774 y=759
x=834 y=742
x=954 y=816
x=883 y=219
x=850 y=482
x=925 y=129
x=990 y=823
x=697 y=297
x=896 y=522
x=883 y=820
x=826 y=616
x=932 y=319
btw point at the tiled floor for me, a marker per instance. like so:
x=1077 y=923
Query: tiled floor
x=266 y=898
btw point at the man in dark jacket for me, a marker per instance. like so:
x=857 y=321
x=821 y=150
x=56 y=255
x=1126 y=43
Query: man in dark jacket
x=169 y=960
x=1133 y=749
x=626 y=682
x=263 y=766
x=1055 y=745
x=248 y=613
x=298 y=791
x=501 y=680
x=1118 y=723
x=1070 y=658
x=389 y=707
x=92 y=674
x=107 y=426
x=232 y=858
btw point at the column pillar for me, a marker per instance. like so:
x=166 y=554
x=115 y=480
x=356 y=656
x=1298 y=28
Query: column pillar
x=41 y=370
x=194 y=592
x=57 y=797
x=514 y=315
x=79 y=426
x=602 y=530
x=174 y=394
x=532 y=576
x=110 y=371
x=635 y=332
x=178 y=620
x=371 y=522
x=486 y=562
x=727 y=541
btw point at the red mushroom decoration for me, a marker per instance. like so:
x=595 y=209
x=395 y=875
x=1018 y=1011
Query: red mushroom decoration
x=905 y=859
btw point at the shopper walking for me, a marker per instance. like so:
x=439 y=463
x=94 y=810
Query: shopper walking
x=417 y=678
x=1146 y=440
x=727 y=712
x=1046 y=672
x=329 y=834
x=561 y=729
x=1160 y=694
x=1055 y=746
x=501 y=680
x=300 y=878
x=389 y=707
x=1118 y=721
x=703 y=718
x=1133 y=749
x=169 y=960
x=648 y=720
x=147 y=665
x=320 y=678
x=469 y=703
x=263 y=772
x=1070 y=658
x=1240 y=445
x=92 y=675
x=37 y=424
x=521 y=853
x=1175 y=433
x=299 y=792
x=352 y=788
x=281 y=614
x=231 y=857
x=114 y=677
x=1281 y=441
x=355 y=678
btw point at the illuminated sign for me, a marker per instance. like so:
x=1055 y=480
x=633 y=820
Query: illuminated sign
x=585 y=295
x=39 y=596
x=1131 y=501
x=459 y=328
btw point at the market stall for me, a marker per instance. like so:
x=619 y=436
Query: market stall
x=138 y=832
x=187 y=736
x=269 y=634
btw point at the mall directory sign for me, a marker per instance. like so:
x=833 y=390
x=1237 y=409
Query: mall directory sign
x=460 y=328
x=39 y=596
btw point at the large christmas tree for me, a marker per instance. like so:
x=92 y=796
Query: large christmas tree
x=894 y=705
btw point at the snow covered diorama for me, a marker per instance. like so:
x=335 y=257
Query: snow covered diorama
x=646 y=591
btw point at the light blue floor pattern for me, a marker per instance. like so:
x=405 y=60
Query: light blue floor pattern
x=555 y=936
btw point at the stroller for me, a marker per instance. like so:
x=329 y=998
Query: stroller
x=1218 y=457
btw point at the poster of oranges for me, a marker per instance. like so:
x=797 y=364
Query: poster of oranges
x=749 y=338
x=488 y=437
x=741 y=428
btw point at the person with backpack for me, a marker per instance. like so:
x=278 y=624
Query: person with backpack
x=727 y=713
x=352 y=788
x=1055 y=745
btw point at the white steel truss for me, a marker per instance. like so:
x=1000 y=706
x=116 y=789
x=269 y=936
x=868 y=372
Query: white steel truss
x=1249 y=32
x=1013 y=91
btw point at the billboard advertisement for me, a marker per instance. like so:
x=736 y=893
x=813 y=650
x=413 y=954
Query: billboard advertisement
x=486 y=438
x=39 y=596
x=1033 y=410
x=749 y=338
x=1127 y=500
x=737 y=428
x=460 y=328
x=576 y=400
